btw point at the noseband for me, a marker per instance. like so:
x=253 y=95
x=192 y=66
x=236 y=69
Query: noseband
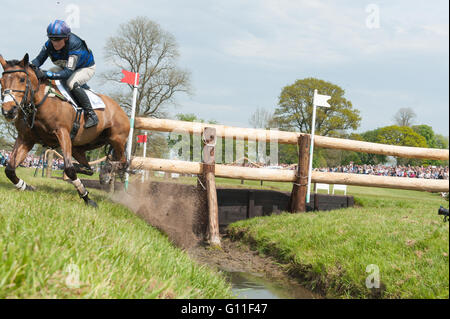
x=27 y=107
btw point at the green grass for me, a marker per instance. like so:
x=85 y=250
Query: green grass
x=397 y=230
x=53 y=246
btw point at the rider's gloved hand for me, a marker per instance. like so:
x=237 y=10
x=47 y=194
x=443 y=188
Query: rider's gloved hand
x=40 y=74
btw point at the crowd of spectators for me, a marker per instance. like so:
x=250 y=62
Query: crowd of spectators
x=30 y=161
x=428 y=172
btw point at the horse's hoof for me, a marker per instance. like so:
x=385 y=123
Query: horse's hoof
x=91 y=203
x=30 y=188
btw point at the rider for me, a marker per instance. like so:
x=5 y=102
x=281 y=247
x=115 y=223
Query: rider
x=74 y=64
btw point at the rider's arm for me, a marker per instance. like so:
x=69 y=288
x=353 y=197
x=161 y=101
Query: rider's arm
x=42 y=56
x=77 y=55
x=64 y=74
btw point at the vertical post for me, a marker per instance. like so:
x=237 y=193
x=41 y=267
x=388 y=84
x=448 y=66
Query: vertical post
x=130 y=135
x=144 y=154
x=49 y=163
x=208 y=169
x=44 y=158
x=37 y=166
x=299 y=189
x=313 y=128
x=318 y=100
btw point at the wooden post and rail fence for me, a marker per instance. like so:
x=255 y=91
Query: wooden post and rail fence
x=207 y=170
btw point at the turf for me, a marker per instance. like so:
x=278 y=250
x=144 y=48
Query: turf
x=53 y=246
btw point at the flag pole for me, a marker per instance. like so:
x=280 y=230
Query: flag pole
x=130 y=135
x=311 y=150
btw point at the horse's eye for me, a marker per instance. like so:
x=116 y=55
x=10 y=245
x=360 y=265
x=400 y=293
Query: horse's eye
x=22 y=80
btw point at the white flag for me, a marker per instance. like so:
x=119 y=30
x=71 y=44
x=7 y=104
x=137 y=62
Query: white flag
x=321 y=100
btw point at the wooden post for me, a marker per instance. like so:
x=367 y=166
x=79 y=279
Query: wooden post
x=49 y=164
x=208 y=170
x=298 y=195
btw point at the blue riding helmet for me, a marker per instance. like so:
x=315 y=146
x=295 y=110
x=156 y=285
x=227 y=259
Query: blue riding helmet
x=58 y=29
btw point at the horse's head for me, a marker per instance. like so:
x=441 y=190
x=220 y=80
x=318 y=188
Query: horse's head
x=18 y=83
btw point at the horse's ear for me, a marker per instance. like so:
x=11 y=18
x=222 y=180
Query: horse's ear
x=2 y=62
x=25 y=61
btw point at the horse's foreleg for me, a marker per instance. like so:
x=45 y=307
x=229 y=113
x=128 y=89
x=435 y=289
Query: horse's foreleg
x=18 y=154
x=66 y=147
x=118 y=143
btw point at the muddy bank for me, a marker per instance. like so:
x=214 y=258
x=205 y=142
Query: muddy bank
x=175 y=209
x=179 y=212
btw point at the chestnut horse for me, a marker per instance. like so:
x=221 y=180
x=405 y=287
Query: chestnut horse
x=42 y=119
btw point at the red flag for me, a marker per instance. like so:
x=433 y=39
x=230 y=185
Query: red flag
x=142 y=138
x=129 y=78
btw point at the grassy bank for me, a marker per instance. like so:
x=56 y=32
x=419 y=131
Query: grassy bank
x=52 y=246
x=398 y=231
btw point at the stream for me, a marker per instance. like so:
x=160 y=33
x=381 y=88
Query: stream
x=255 y=286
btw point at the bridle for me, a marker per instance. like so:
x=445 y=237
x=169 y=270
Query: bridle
x=27 y=106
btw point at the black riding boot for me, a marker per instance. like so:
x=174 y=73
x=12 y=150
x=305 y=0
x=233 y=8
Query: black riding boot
x=83 y=100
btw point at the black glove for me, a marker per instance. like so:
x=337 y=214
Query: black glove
x=40 y=74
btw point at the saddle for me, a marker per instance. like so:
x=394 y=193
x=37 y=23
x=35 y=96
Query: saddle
x=59 y=89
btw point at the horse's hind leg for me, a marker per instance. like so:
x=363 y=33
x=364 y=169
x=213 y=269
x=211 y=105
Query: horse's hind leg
x=83 y=167
x=118 y=143
x=18 y=154
x=66 y=147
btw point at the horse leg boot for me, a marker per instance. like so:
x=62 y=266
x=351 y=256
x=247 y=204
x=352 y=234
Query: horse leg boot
x=83 y=100
x=18 y=154
x=21 y=184
x=63 y=136
x=82 y=191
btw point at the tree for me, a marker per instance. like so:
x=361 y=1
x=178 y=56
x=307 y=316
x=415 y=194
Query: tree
x=294 y=111
x=400 y=135
x=142 y=46
x=261 y=118
x=405 y=116
x=427 y=132
x=185 y=142
x=441 y=141
x=8 y=133
x=397 y=135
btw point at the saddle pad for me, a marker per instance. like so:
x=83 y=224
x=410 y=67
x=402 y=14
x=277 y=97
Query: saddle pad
x=96 y=101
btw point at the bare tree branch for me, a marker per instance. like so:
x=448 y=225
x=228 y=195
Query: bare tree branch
x=405 y=116
x=142 y=46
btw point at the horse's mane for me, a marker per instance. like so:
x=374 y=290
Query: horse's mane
x=13 y=62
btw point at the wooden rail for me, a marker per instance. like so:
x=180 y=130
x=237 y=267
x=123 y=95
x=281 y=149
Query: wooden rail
x=282 y=137
x=278 y=175
x=207 y=170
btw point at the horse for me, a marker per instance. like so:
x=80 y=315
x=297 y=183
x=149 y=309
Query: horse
x=47 y=120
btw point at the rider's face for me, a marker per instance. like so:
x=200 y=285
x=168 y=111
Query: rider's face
x=58 y=44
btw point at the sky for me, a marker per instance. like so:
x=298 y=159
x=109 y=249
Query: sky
x=386 y=55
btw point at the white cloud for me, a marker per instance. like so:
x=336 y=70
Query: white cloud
x=327 y=32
